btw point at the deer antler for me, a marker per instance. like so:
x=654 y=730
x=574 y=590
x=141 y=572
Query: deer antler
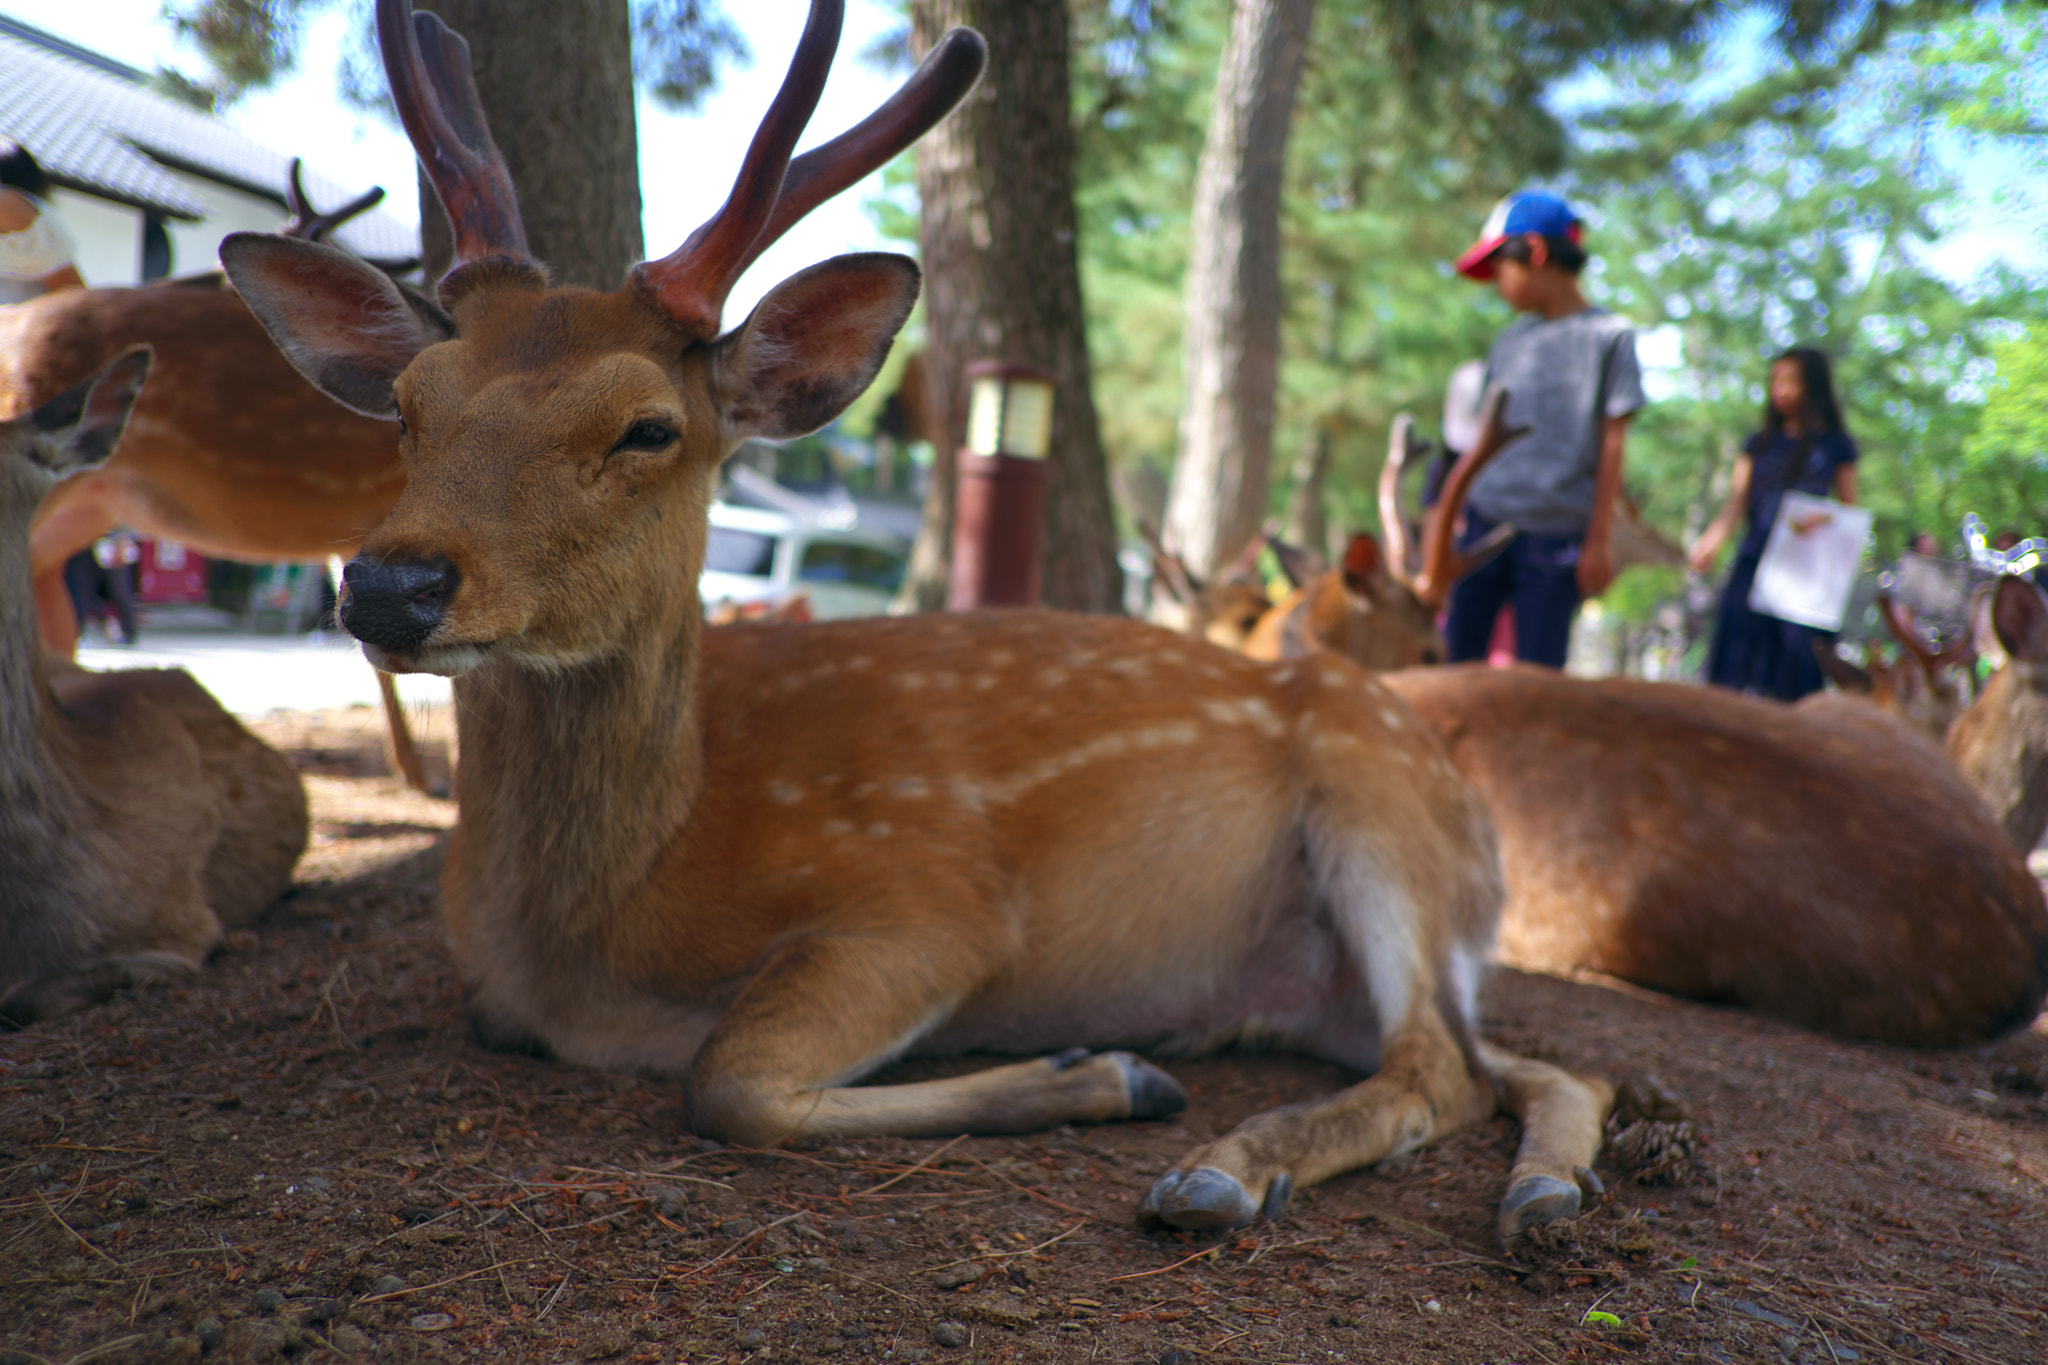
x=312 y=226
x=1442 y=563
x=691 y=283
x=435 y=90
x=1898 y=619
x=1402 y=446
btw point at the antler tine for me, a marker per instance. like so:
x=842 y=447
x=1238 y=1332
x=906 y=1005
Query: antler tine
x=314 y=227
x=432 y=83
x=1899 y=621
x=1401 y=447
x=690 y=283
x=1442 y=564
x=940 y=82
x=1248 y=558
x=295 y=200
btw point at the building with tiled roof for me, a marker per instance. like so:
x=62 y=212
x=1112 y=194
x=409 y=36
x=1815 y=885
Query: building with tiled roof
x=147 y=185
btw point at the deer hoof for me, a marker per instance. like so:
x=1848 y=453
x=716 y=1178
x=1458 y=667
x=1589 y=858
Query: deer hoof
x=1277 y=1196
x=1201 y=1200
x=1536 y=1199
x=1154 y=1094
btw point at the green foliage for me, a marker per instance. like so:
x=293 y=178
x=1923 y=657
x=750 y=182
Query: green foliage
x=1803 y=207
x=679 y=47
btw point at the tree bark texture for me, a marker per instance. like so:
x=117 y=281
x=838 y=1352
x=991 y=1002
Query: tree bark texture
x=1002 y=282
x=558 y=91
x=1306 y=523
x=1231 y=334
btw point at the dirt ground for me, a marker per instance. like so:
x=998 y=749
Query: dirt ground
x=300 y=1153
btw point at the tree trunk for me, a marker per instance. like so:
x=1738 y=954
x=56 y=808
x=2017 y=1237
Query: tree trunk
x=1306 y=525
x=1230 y=344
x=559 y=97
x=1002 y=282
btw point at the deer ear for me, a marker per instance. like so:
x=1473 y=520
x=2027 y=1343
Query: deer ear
x=2019 y=617
x=81 y=426
x=344 y=324
x=813 y=345
x=1364 y=565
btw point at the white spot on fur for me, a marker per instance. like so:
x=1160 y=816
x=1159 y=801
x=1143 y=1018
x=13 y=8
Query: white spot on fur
x=879 y=830
x=910 y=680
x=912 y=787
x=1262 y=717
x=784 y=793
x=838 y=827
x=1391 y=720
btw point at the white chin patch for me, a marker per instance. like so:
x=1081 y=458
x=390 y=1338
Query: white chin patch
x=448 y=661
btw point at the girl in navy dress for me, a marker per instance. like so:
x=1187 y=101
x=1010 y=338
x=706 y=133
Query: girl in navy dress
x=1802 y=448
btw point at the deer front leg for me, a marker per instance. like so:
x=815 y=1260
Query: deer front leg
x=1563 y=1117
x=828 y=1009
x=1422 y=1090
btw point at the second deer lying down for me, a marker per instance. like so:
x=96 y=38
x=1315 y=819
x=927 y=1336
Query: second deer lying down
x=770 y=859
x=137 y=818
x=1823 y=864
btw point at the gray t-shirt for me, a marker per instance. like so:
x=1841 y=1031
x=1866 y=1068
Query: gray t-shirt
x=1563 y=377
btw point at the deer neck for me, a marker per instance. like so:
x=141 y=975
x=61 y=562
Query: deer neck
x=2001 y=746
x=575 y=779
x=27 y=780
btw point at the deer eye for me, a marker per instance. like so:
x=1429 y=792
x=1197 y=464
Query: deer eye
x=645 y=436
x=399 y=417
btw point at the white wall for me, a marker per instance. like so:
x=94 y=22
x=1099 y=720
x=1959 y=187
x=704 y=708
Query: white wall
x=195 y=247
x=108 y=236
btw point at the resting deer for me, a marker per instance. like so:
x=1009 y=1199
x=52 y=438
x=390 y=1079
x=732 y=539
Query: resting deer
x=1824 y=864
x=1925 y=686
x=232 y=453
x=2000 y=745
x=1714 y=846
x=770 y=859
x=1380 y=610
x=136 y=816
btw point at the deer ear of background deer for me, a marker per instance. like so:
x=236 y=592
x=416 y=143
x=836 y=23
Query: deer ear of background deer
x=1364 y=566
x=343 y=323
x=2019 y=620
x=81 y=426
x=814 y=344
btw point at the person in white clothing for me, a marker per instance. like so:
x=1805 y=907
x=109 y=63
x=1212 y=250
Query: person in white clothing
x=35 y=251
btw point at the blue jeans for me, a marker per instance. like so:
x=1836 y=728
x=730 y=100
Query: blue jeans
x=1539 y=574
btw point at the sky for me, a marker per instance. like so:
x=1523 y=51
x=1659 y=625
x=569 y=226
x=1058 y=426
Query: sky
x=687 y=162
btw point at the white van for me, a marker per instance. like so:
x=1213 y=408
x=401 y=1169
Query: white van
x=762 y=556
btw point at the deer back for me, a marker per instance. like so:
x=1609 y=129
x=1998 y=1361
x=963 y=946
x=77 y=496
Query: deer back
x=1824 y=864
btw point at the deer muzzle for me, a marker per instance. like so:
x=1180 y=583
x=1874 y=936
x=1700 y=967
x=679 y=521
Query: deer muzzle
x=396 y=606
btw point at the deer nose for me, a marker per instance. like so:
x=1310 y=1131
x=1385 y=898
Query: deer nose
x=396 y=605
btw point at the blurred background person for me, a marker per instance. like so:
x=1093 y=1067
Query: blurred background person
x=1803 y=447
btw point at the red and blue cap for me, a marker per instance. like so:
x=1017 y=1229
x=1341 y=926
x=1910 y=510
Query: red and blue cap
x=1525 y=212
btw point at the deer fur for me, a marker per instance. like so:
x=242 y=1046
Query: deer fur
x=2000 y=745
x=1823 y=864
x=137 y=818
x=767 y=860
x=230 y=451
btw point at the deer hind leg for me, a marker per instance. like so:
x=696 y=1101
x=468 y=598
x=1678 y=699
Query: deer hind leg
x=827 y=1010
x=1563 y=1117
x=1423 y=1089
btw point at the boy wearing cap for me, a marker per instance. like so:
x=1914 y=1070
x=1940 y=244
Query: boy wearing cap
x=1571 y=376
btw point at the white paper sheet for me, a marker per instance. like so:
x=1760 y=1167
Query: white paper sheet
x=1808 y=578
